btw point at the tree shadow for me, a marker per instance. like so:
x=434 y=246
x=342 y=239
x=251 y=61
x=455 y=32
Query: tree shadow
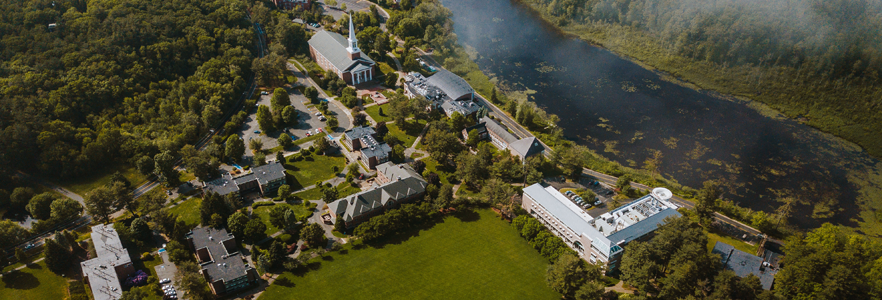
x=328 y=258
x=467 y=215
x=20 y=280
x=284 y=281
x=34 y=266
x=398 y=238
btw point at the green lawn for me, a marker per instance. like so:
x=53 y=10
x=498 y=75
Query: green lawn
x=34 y=282
x=313 y=168
x=82 y=185
x=374 y=112
x=263 y=213
x=188 y=210
x=407 y=135
x=343 y=189
x=713 y=238
x=478 y=257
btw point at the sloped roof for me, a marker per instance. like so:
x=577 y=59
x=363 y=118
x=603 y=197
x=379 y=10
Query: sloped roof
x=359 y=132
x=364 y=202
x=500 y=131
x=224 y=265
x=268 y=172
x=332 y=46
x=454 y=86
x=393 y=171
x=526 y=147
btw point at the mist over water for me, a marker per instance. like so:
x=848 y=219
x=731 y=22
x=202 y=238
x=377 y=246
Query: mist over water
x=626 y=112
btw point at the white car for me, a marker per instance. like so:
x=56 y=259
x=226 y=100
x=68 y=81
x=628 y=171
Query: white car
x=318 y=114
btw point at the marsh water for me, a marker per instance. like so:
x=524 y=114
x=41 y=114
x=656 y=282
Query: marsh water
x=626 y=112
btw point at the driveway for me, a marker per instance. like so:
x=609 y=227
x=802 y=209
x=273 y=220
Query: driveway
x=166 y=270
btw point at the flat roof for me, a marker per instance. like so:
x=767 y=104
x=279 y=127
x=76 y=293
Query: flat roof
x=744 y=264
x=224 y=265
x=622 y=225
x=109 y=253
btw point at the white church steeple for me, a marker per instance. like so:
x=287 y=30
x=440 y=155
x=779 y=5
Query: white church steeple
x=353 y=43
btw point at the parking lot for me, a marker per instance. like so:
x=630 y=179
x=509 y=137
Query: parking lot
x=166 y=270
x=307 y=122
x=353 y=5
x=602 y=191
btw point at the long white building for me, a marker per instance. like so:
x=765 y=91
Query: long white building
x=599 y=239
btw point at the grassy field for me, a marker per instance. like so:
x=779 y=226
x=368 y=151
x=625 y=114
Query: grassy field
x=313 y=168
x=471 y=256
x=374 y=112
x=407 y=135
x=34 y=282
x=343 y=190
x=263 y=213
x=386 y=68
x=82 y=185
x=188 y=210
x=713 y=238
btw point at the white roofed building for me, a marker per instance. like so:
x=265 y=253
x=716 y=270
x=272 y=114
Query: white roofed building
x=601 y=239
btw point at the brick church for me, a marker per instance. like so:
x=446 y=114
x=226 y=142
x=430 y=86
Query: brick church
x=335 y=53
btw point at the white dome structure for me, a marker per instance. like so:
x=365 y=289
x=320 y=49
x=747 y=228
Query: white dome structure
x=662 y=193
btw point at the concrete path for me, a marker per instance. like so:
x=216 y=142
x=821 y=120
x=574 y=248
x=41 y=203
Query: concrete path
x=24 y=265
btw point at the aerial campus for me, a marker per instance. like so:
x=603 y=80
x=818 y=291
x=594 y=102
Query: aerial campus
x=346 y=149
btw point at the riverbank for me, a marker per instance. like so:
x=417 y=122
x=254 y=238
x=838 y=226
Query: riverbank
x=842 y=108
x=621 y=111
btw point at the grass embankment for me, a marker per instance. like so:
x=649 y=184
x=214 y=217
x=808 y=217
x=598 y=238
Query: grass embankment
x=312 y=168
x=82 y=185
x=472 y=256
x=34 y=282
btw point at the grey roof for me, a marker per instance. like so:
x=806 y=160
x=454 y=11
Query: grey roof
x=454 y=86
x=394 y=172
x=224 y=265
x=500 y=131
x=644 y=227
x=364 y=202
x=222 y=186
x=380 y=150
x=271 y=171
x=332 y=46
x=744 y=264
x=359 y=132
x=463 y=107
x=109 y=253
x=567 y=216
x=263 y=174
x=526 y=147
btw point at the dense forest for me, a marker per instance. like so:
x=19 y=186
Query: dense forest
x=115 y=81
x=817 y=60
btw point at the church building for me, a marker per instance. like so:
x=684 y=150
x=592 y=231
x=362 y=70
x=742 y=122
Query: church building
x=335 y=53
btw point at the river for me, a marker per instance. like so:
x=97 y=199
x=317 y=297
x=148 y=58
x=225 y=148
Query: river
x=626 y=112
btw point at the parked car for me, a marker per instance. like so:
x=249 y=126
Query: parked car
x=264 y=93
x=319 y=130
x=598 y=202
x=322 y=118
x=318 y=114
x=257 y=131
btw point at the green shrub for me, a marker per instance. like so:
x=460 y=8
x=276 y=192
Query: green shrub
x=285 y=238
